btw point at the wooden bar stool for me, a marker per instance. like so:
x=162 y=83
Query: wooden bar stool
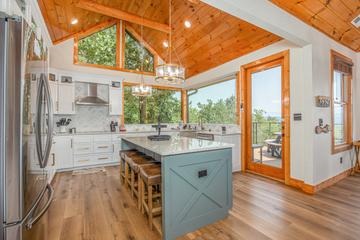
x=123 y=154
x=137 y=162
x=150 y=182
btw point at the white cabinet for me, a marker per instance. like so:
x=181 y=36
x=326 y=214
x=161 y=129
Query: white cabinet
x=236 y=150
x=63 y=150
x=66 y=98
x=116 y=141
x=115 y=96
x=54 y=96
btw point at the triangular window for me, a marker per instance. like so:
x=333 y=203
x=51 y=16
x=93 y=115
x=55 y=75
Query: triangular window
x=137 y=57
x=99 y=48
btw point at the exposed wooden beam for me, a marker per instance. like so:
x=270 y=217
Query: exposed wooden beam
x=116 y=13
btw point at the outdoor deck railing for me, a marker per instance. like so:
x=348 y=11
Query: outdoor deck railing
x=264 y=130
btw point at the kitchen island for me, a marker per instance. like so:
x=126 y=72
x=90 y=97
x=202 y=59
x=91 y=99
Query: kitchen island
x=196 y=181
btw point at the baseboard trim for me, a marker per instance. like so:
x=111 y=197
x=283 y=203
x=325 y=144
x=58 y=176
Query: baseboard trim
x=333 y=180
x=311 y=189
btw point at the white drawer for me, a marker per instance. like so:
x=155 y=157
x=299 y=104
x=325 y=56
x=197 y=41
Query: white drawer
x=103 y=147
x=103 y=158
x=116 y=138
x=82 y=139
x=82 y=148
x=82 y=160
x=102 y=138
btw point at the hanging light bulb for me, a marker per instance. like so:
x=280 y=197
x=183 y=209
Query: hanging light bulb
x=142 y=90
x=170 y=73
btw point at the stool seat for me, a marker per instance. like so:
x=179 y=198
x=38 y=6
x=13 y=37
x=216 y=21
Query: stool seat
x=131 y=152
x=138 y=161
x=151 y=174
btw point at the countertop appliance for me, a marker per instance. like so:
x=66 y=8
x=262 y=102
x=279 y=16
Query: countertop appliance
x=26 y=128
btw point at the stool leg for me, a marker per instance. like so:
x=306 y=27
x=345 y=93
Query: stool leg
x=126 y=174
x=140 y=194
x=122 y=171
x=150 y=203
x=132 y=183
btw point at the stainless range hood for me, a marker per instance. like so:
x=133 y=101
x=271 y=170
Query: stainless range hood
x=92 y=97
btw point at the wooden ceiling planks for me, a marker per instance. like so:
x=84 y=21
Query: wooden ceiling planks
x=214 y=38
x=332 y=17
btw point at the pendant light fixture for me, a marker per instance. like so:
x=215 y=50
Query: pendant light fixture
x=170 y=73
x=142 y=90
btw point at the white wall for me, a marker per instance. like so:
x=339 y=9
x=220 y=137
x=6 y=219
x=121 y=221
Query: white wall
x=299 y=87
x=311 y=158
x=327 y=165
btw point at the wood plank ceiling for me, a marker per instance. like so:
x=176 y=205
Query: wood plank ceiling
x=332 y=17
x=214 y=38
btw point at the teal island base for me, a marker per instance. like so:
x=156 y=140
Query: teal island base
x=196 y=184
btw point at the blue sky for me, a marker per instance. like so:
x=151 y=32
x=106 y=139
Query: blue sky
x=266 y=91
x=215 y=92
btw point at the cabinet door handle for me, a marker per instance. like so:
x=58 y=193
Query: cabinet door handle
x=53 y=162
x=103 y=158
x=72 y=143
x=57 y=105
x=85 y=148
x=83 y=160
x=103 y=146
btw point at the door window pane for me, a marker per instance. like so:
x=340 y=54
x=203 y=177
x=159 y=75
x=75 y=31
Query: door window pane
x=266 y=117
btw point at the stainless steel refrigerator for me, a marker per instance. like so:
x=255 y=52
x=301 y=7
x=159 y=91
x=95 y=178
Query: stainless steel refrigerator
x=26 y=128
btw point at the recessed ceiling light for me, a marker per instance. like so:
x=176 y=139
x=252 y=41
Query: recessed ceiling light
x=74 y=21
x=187 y=24
x=165 y=44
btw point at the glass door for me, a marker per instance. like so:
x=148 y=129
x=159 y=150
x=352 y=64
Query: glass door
x=265 y=126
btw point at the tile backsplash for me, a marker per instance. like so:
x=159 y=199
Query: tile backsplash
x=90 y=118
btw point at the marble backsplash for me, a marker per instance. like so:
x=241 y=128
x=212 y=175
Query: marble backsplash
x=89 y=119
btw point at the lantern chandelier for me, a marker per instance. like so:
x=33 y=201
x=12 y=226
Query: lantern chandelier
x=142 y=90
x=170 y=73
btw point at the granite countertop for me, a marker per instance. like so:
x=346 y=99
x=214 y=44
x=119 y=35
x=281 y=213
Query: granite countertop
x=143 y=131
x=177 y=145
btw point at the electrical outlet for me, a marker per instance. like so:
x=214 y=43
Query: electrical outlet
x=341 y=160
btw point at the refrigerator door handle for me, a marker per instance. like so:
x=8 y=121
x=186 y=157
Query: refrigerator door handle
x=44 y=91
x=32 y=219
x=38 y=136
x=50 y=121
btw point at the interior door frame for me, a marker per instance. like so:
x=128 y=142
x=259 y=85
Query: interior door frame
x=282 y=59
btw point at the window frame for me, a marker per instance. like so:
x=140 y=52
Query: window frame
x=130 y=84
x=235 y=77
x=347 y=114
x=121 y=27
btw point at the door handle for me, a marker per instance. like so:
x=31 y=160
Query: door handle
x=50 y=121
x=33 y=220
x=53 y=163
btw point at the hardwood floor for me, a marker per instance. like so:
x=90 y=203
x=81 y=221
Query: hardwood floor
x=96 y=206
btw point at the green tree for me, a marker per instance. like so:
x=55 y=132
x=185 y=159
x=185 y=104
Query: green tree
x=167 y=103
x=222 y=111
x=99 y=48
x=137 y=57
